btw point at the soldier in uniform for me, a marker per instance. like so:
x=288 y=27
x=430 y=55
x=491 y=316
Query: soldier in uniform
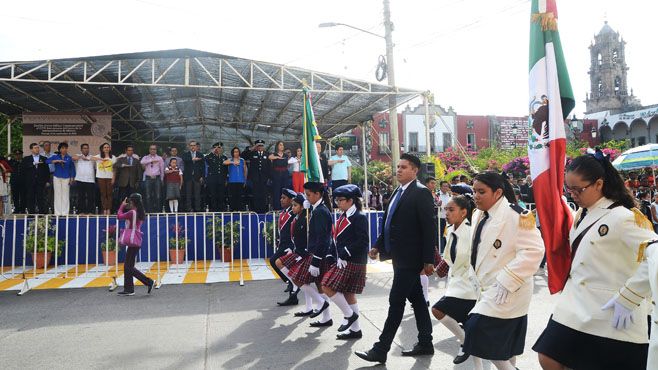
x=505 y=253
x=216 y=178
x=599 y=318
x=258 y=174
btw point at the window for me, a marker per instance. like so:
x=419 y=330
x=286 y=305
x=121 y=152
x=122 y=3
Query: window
x=641 y=140
x=600 y=59
x=384 y=147
x=615 y=56
x=432 y=142
x=413 y=142
x=447 y=141
x=600 y=87
x=470 y=141
x=469 y=124
x=617 y=85
x=632 y=142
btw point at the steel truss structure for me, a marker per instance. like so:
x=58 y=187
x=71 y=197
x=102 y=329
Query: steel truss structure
x=189 y=94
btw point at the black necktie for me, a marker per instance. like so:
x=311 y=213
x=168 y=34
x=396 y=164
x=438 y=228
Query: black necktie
x=582 y=217
x=453 y=248
x=476 y=239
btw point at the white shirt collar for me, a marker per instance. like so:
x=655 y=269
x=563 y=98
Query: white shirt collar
x=350 y=211
x=317 y=203
x=405 y=186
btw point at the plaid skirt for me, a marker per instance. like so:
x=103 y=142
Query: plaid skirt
x=300 y=273
x=351 y=279
x=289 y=260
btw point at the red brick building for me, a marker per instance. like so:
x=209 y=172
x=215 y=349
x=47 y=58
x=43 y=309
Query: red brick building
x=473 y=131
x=378 y=140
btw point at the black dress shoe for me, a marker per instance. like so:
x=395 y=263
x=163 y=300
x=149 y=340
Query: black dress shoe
x=461 y=357
x=288 y=288
x=125 y=294
x=317 y=324
x=150 y=287
x=317 y=313
x=291 y=301
x=303 y=314
x=419 y=350
x=349 y=335
x=350 y=321
x=372 y=356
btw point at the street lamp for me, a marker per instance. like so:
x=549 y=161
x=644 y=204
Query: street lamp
x=594 y=132
x=576 y=127
x=515 y=132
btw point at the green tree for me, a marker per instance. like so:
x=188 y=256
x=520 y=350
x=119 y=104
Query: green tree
x=378 y=172
x=620 y=145
x=16 y=134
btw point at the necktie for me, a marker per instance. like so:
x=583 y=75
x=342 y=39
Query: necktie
x=387 y=224
x=453 y=248
x=476 y=239
x=130 y=161
x=582 y=217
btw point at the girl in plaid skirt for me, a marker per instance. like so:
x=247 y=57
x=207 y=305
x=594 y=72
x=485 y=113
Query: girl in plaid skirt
x=347 y=276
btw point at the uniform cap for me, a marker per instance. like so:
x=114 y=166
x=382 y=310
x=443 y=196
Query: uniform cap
x=289 y=193
x=349 y=191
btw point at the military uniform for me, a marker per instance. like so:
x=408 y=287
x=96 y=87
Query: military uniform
x=607 y=247
x=258 y=173
x=216 y=181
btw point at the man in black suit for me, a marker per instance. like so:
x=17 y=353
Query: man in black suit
x=194 y=171
x=35 y=174
x=408 y=238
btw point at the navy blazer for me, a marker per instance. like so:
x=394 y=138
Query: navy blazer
x=299 y=234
x=285 y=237
x=319 y=234
x=351 y=238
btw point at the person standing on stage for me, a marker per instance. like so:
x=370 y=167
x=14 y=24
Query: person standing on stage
x=285 y=246
x=237 y=177
x=36 y=174
x=216 y=179
x=599 y=318
x=194 y=170
x=85 y=180
x=173 y=180
x=316 y=263
x=132 y=211
x=154 y=171
x=63 y=177
x=128 y=172
x=297 y=175
x=279 y=173
x=347 y=277
x=341 y=168
x=460 y=296
x=105 y=175
x=506 y=251
x=258 y=174
x=16 y=182
x=408 y=237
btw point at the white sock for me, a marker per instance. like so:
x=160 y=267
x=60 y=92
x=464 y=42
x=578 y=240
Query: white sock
x=341 y=302
x=171 y=206
x=513 y=361
x=309 y=302
x=355 y=326
x=326 y=314
x=452 y=325
x=425 y=282
x=176 y=205
x=503 y=365
x=477 y=363
x=311 y=292
x=285 y=271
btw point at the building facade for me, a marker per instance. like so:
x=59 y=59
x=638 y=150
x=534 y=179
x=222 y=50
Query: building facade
x=441 y=133
x=378 y=137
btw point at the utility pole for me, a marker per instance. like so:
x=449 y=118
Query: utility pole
x=428 y=146
x=392 y=102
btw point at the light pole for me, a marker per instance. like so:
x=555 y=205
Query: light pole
x=390 y=72
x=515 y=132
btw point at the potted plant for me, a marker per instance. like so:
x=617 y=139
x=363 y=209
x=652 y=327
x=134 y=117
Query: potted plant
x=268 y=233
x=231 y=233
x=109 y=248
x=177 y=245
x=42 y=246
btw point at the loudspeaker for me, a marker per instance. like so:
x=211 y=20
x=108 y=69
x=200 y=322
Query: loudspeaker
x=426 y=170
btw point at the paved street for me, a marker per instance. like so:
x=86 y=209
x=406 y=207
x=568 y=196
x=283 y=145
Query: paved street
x=212 y=326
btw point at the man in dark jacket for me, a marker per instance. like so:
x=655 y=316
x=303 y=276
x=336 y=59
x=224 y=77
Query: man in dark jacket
x=258 y=174
x=128 y=173
x=408 y=237
x=193 y=174
x=35 y=175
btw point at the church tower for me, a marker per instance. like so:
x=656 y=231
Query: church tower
x=608 y=75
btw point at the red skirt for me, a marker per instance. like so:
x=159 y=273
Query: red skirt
x=298 y=182
x=289 y=260
x=351 y=279
x=299 y=272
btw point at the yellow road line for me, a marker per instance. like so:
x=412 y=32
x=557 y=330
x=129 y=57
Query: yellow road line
x=61 y=279
x=197 y=277
x=234 y=271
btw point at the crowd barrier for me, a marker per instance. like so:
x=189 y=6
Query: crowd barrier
x=87 y=245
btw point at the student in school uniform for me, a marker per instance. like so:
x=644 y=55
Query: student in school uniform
x=347 y=277
x=286 y=245
x=506 y=251
x=599 y=321
x=316 y=263
x=460 y=297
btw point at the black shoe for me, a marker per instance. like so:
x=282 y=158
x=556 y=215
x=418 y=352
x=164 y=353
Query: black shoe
x=317 y=313
x=291 y=301
x=350 y=321
x=372 y=356
x=150 y=287
x=125 y=294
x=349 y=335
x=461 y=357
x=419 y=350
x=317 y=324
x=288 y=288
x=303 y=314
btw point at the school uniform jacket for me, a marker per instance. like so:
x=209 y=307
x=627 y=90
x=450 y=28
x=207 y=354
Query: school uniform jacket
x=299 y=234
x=603 y=267
x=509 y=254
x=319 y=234
x=459 y=285
x=351 y=237
x=285 y=221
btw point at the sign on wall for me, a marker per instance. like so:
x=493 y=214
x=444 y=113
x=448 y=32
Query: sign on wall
x=74 y=128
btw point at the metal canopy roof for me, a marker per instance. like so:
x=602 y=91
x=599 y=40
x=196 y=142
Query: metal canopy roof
x=192 y=94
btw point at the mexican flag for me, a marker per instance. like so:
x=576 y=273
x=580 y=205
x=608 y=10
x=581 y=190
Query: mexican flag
x=310 y=165
x=551 y=100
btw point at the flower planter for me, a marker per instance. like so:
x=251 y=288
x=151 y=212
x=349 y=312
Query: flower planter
x=177 y=256
x=109 y=257
x=41 y=259
x=227 y=255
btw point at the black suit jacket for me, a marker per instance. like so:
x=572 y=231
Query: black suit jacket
x=32 y=175
x=193 y=169
x=413 y=229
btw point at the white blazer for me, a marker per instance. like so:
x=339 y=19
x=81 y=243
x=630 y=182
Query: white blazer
x=509 y=254
x=459 y=285
x=602 y=268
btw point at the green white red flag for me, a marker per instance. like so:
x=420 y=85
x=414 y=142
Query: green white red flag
x=551 y=100
x=310 y=165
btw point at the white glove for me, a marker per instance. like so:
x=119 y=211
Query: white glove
x=622 y=317
x=307 y=204
x=288 y=251
x=299 y=258
x=315 y=271
x=501 y=294
x=341 y=263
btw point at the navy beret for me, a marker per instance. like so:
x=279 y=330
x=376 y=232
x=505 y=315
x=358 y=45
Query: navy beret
x=289 y=193
x=299 y=198
x=347 y=191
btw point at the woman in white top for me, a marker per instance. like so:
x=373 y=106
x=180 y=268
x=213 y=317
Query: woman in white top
x=105 y=176
x=297 y=176
x=460 y=297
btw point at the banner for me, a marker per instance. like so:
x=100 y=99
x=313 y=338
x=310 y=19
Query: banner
x=73 y=128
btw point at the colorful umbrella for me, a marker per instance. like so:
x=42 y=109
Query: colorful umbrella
x=636 y=158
